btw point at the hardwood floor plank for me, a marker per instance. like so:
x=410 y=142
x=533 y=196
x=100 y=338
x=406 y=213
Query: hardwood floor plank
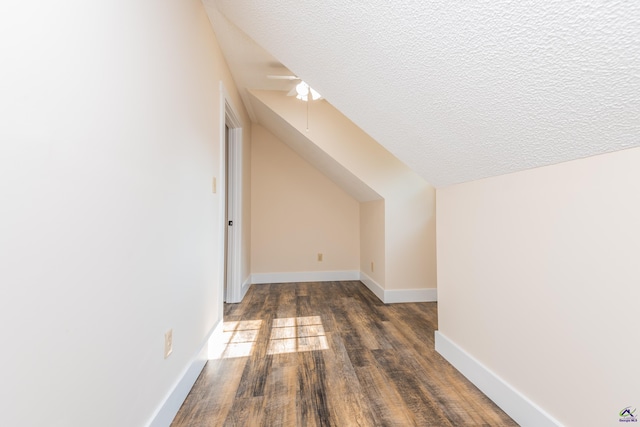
x=387 y=406
x=312 y=398
x=407 y=382
x=332 y=354
x=205 y=406
x=347 y=399
x=280 y=396
x=244 y=412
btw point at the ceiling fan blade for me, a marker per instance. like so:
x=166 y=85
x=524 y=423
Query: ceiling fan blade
x=283 y=77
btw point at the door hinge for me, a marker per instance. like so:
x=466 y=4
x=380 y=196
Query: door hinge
x=230 y=223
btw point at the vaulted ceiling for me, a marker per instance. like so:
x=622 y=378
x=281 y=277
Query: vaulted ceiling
x=458 y=90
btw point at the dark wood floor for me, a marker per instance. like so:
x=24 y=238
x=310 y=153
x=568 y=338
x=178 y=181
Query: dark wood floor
x=331 y=354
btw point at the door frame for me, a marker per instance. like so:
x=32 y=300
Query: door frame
x=230 y=259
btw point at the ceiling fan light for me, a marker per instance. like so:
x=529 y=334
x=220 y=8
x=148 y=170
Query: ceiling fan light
x=302 y=89
x=314 y=95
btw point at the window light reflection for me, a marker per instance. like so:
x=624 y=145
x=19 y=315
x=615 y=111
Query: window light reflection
x=295 y=334
x=237 y=339
x=288 y=335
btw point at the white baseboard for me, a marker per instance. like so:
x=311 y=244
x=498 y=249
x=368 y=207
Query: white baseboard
x=391 y=296
x=245 y=287
x=171 y=405
x=410 y=295
x=514 y=403
x=304 y=276
x=372 y=285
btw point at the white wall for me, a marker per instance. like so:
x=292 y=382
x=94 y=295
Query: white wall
x=109 y=140
x=297 y=213
x=538 y=280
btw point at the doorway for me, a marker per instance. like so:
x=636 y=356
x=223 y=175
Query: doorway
x=231 y=210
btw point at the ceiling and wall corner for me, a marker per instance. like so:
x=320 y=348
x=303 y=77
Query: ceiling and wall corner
x=461 y=91
x=313 y=154
x=249 y=63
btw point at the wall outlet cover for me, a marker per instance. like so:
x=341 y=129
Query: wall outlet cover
x=168 y=343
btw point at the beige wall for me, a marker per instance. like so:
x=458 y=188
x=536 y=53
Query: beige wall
x=409 y=200
x=372 y=245
x=410 y=235
x=297 y=213
x=110 y=231
x=538 y=280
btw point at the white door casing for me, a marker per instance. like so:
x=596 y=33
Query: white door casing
x=231 y=206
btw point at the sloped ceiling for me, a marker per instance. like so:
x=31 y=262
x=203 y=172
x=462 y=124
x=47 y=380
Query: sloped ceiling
x=249 y=63
x=309 y=151
x=463 y=90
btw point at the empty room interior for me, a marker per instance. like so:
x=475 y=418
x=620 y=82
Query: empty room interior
x=288 y=213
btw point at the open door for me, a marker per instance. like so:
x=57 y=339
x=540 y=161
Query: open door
x=232 y=209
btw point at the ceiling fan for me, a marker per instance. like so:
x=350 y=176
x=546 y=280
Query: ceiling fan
x=301 y=90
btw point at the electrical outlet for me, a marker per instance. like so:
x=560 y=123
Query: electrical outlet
x=168 y=343
x=319 y=257
x=372 y=266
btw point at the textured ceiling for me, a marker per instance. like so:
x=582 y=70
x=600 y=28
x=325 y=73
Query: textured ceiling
x=464 y=90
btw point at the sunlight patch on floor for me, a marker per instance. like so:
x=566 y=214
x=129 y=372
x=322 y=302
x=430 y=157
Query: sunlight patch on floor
x=295 y=334
x=288 y=335
x=236 y=340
